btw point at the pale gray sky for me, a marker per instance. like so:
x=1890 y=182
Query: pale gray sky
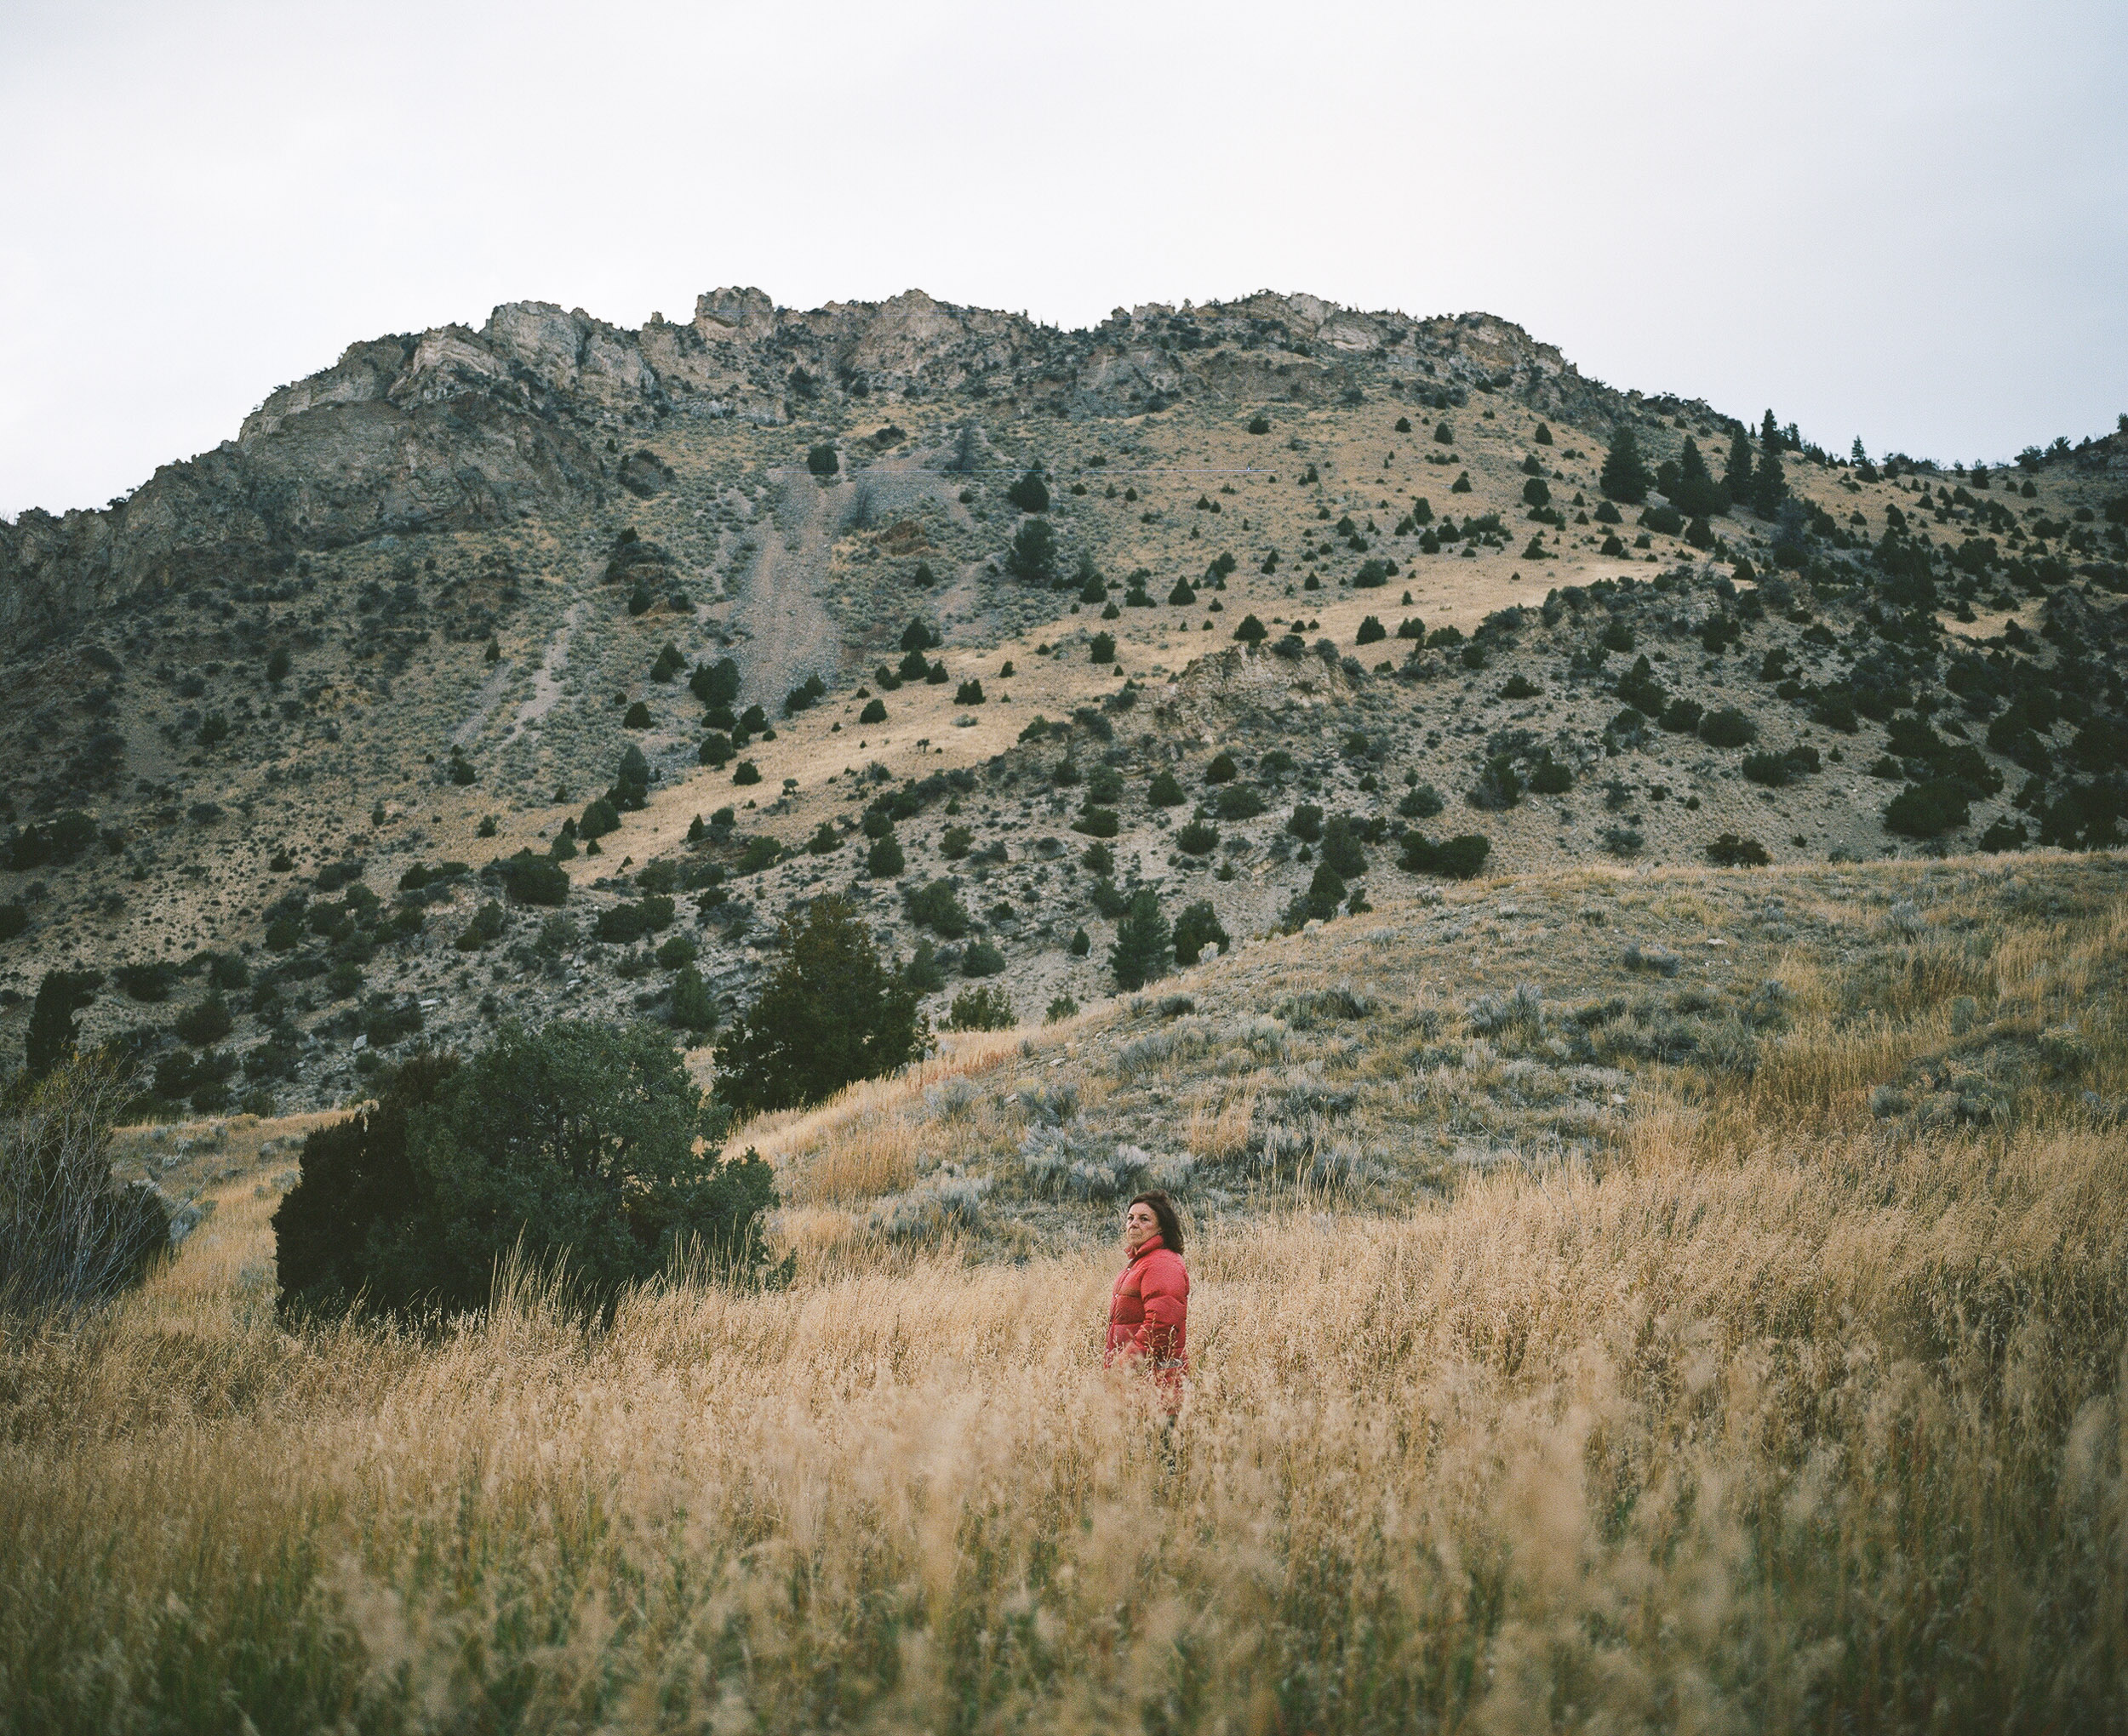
x=1904 y=222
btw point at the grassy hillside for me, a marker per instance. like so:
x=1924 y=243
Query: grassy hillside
x=398 y=672
x=1682 y=1299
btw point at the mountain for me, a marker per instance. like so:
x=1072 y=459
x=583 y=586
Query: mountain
x=305 y=726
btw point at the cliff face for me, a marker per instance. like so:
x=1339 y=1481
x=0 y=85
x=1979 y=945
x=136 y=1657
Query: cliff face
x=458 y=429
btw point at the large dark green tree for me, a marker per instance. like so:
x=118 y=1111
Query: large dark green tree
x=1736 y=476
x=581 y=1145
x=1697 y=494
x=1625 y=474
x=831 y=1015
x=1769 y=487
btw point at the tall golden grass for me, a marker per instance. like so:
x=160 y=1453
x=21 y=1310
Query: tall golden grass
x=1828 y=1435
x=1781 y=1418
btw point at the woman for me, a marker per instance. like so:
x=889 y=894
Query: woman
x=1148 y=1310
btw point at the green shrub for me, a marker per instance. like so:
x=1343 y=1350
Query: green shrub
x=1033 y=555
x=1197 y=927
x=1238 y=801
x=746 y=772
x=1731 y=851
x=675 y=951
x=1102 y=648
x=955 y=843
x=875 y=711
x=577 y=1143
x=1251 y=632
x=969 y=693
x=637 y=717
x=1499 y=785
x=830 y=1015
x=691 y=1007
x=1930 y=809
x=757 y=853
x=207 y=1020
x=981 y=1008
x=1030 y=493
x=1459 y=858
x=884 y=860
x=531 y=879
x=937 y=906
x=824 y=841
x=1196 y=839
x=1166 y=789
x=1550 y=777
x=484 y=929
x=1421 y=801
x=822 y=460
x=981 y=959
x=1325 y=891
x=1728 y=728
x=1097 y=822
x=1260 y=424
x=1305 y=822
x=1370 y=631
x=1222 y=768
x=1144 y=942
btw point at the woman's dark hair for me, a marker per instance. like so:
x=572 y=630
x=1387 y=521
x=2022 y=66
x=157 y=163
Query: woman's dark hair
x=1163 y=1211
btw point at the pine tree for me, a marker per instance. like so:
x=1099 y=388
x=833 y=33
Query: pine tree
x=1736 y=478
x=1770 y=440
x=1143 y=942
x=1696 y=493
x=1769 y=488
x=832 y=1013
x=1625 y=476
x=692 y=1007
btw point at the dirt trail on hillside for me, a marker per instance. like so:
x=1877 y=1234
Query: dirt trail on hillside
x=546 y=678
x=780 y=615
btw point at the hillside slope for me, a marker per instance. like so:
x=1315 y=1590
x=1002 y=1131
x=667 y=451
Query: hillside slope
x=418 y=614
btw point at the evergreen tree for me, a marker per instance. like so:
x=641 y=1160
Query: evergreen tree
x=830 y=1015
x=53 y=1031
x=1033 y=555
x=1770 y=440
x=1625 y=476
x=1697 y=493
x=1769 y=488
x=1143 y=942
x=1736 y=478
x=692 y=1007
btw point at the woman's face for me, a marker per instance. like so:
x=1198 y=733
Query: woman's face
x=1140 y=1226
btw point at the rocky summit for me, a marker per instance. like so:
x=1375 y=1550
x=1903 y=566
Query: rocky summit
x=539 y=667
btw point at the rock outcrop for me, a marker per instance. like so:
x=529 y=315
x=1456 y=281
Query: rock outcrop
x=459 y=428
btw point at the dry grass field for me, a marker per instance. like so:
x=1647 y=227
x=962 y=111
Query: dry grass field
x=1775 y=1384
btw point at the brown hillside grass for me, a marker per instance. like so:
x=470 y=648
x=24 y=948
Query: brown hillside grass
x=1783 y=1415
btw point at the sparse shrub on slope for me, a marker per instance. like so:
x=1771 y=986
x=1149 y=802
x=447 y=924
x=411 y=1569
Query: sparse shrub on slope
x=69 y=1234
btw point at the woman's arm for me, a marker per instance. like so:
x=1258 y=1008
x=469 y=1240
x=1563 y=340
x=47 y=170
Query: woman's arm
x=1165 y=1289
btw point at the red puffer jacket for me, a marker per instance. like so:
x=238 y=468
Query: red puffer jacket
x=1148 y=1317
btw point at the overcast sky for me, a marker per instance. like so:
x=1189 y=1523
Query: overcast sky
x=1904 y=222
